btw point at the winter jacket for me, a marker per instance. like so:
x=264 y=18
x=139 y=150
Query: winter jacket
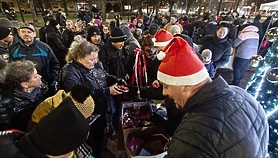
x=67 y=37
x=56 y=43
x=209 y=29
x=75 y=73
x=16 y=109
x=220 y=48
x=247 y=42
x=221 y=121
x=41 y=54
x=112 y=60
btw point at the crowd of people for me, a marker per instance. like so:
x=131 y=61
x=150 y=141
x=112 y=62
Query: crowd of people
x=51 y=85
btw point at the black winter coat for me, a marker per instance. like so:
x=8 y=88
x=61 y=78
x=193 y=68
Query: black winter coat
x=75 y=73
x=56 y=43
x=41 y=54
x=221 y=121
x=221 y=49
x=16 y=110
x=112 y=60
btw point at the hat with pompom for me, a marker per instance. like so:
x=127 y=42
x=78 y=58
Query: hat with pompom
x=181 y=66
x=162 y=38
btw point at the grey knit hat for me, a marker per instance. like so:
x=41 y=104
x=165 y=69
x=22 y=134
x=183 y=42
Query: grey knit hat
x=4 y=22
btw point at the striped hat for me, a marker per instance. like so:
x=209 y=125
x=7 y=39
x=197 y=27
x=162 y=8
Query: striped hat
x=162 y=38
x=117 y=35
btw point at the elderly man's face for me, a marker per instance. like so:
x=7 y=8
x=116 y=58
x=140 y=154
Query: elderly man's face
x=180 y=94
x=26 y=35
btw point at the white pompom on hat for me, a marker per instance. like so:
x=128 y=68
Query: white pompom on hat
x=162 y=38
x=181 y=66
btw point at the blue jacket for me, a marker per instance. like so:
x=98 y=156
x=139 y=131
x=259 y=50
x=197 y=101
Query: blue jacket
x=41 y=54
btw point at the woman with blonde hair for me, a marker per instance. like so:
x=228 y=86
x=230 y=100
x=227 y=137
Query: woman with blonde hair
x=83 y=67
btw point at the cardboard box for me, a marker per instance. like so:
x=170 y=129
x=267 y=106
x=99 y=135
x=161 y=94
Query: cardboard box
x=153 y=136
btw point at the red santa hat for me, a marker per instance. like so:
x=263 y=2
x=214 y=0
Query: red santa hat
x=181 y=66
x=162 y=38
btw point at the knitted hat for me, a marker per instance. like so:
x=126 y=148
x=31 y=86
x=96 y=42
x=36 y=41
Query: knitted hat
x=92 y=30
x=153 y=28
x=97 y=21
x=4 y=32
x=82 y=99
x=60 y=132
x=28 y=26
x=117 y=35
x=162 y=38
x=181 y=65
x=4 y=22
x=53 y=23
x=127 y=31
x=46 y=19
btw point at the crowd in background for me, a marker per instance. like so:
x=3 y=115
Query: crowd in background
x=69 y=53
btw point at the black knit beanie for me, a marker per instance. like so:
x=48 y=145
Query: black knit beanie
x=93 y=30
x=61 y=131
x=4 y=32
x=53 y=23
x=117 y=35
x=4 y=22
x=153 y=28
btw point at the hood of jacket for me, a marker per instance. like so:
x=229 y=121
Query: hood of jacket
x=250 y=29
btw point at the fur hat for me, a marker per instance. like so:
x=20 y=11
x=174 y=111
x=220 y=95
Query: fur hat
x=117 y=35
x=28 y=26
x=53 y=23
x=92 y=30
x=4 y=32
x=181 y=65
x=4 y=22
x=58 y=133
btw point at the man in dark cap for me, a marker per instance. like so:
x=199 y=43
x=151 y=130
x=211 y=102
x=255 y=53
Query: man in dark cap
x=28 y=48
x=112 y=58
x=94 y=36
x=5 y=37
x=57 y=134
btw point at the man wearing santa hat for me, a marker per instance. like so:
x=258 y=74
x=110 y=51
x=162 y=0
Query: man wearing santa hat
x=220 y=120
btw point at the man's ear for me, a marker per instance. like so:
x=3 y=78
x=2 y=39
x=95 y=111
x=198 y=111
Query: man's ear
x=24 y=84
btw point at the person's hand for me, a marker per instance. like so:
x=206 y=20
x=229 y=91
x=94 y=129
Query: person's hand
x=155 y=84
x=113 y=91
x=167 y=145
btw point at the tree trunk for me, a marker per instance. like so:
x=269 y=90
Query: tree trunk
x=65 y=5
x=103 y=10
x=33 y=11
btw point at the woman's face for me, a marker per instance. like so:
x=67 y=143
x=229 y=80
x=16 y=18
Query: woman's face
x=90 y=60
x=222 y=32
x=105 y=30
x=35 y=80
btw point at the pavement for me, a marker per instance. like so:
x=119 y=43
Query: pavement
x=113 y=142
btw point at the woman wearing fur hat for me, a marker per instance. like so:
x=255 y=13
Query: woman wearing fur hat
x=24 y=91
x=55 y=41
x=83 y=67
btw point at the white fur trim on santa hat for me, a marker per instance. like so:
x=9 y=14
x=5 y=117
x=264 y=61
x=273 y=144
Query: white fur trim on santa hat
x=183 y=80
x=161 y=55
x=161 y=44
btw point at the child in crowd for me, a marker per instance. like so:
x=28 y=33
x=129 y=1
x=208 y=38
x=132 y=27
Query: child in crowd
x=206 y=55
